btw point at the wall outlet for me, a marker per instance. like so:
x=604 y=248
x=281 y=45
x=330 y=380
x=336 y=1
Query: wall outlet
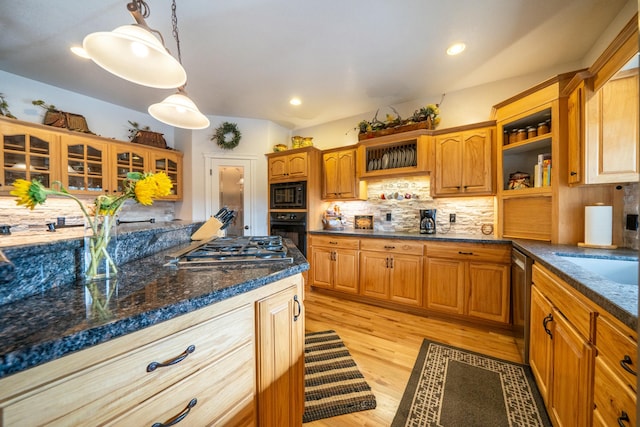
x=452 y=217
x=632 y=222
x=389 y=216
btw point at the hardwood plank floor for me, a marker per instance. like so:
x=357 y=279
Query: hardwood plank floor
x=385 y=345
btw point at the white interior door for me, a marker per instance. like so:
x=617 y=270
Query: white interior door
x=230 y=184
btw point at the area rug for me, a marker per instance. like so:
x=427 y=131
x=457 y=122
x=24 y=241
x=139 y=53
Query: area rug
x=451 y=387
x=333 y=385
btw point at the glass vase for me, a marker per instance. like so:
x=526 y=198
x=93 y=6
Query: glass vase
x=100 y=298
x=100 y=243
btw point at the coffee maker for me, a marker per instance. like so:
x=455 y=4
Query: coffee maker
x=427 y=221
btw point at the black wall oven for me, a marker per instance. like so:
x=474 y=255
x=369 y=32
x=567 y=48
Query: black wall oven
x=288 y=195
x=290 y=225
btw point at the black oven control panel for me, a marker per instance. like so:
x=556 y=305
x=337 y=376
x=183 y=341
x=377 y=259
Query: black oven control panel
x=289 y=217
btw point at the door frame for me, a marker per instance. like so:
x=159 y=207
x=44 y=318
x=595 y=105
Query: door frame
x=212 y=204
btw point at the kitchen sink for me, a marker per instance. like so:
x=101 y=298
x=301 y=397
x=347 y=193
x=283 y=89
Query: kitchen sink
x=624 y=271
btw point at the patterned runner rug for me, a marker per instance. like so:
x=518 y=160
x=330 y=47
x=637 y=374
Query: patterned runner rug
x=333 y=384
x=451 y=387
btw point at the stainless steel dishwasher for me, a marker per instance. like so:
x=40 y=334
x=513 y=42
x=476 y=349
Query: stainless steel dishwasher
x=521 y=300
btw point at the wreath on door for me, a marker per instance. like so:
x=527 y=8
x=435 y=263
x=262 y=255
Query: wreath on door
x=227 y=136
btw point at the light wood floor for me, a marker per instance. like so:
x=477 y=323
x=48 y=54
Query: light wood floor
x=385 y=345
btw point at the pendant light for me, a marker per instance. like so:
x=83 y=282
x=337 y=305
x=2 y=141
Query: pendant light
x=133 y=53
x=178 y=109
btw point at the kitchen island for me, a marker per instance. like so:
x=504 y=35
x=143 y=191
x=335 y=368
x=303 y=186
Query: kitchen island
x=54 y=347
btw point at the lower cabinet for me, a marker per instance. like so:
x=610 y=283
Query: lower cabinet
x=561 y=351
x=280 y=349
x=469 y=279
x=391 y=270
x=335 y=263
x=200 y=367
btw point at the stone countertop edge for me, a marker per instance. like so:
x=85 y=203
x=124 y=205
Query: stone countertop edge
x=50 y=325
x=618 y=299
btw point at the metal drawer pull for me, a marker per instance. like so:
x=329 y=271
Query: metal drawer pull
x=389 y=247
x=622 y=418
x=625 y=362
x=295 y=300
x=546 y=320
x=181 y=416
x=465 y=253
x=333 y=243
x=153 y=365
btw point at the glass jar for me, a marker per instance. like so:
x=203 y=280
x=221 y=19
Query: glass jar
x=543 y=128
x=522 y=135
x=513 y=137
x=532 y=132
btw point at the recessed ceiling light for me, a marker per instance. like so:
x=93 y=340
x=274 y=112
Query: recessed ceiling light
x=456 y=48
x=80 y=52
x=295 y=101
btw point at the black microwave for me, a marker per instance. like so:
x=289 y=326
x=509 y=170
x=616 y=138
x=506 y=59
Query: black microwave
x=289 y=195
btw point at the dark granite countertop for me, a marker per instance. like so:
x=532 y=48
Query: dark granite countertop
x=46 y=326
x=618 y=299
x=438 y=237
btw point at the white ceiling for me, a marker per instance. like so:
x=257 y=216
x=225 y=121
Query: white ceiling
x=247 y=58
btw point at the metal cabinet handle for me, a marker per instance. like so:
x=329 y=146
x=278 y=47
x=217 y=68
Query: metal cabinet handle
x=626 y=362
x=153 y=365
x=181 y=416
x=624 y=417
x=573 y=173
x=546 y=320
x=390 y=262
x=333 y=243
x=465 y=253
x=389 y=247
x=297 y=302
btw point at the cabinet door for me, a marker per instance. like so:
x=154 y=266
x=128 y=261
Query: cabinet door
x=280 y=350
x=575 y=134
x=85 y=165
x=330 y=184
x=374 y=274
x=445 y=286
x=448 y=171
x=612 y=399
x=127 y=159
x=27 y=154
x=171 y=164
x=489 y=292
x=345 y=267
x=297 y=165
x=571 y=397
x=347 y=174
x=406 y=279
x=322 y=261
x=476 y=161
x=277 y=167
x=540 y=345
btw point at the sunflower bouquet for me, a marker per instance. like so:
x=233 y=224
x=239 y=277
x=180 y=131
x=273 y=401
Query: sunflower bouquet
x=141 y=187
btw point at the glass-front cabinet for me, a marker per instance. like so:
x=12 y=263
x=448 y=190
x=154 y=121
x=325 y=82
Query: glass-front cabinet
x=169 y=162
x=26 y=154
x=127 y=159
x=84 y=165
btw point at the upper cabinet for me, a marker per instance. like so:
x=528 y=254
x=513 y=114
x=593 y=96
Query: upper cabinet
x=602 y=115
x=463 y=162
x=84 y=164
x=286 y=166
x=27 y=153
x=394 y=155
x=339 y=178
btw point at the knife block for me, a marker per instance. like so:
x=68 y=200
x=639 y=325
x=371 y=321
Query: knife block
x=208 y=230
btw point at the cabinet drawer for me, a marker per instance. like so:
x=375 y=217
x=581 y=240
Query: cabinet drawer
x=106 y=388
x=393 y=246
x=611 y=398
x=615 y=345
x=222 y=390
x=335 y=242
x=569 y=302
x=470 y=251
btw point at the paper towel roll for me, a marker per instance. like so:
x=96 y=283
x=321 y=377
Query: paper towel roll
x=598 y=225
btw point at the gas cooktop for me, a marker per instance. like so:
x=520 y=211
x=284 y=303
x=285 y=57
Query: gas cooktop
x=243 y=249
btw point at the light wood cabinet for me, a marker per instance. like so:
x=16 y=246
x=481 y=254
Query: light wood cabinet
x=575 y=133
x=211 y=366
x=126 y=158
x=403 y=154
x=335 y=263
x=339 y=180
x=286 y=166
x=85 y=165
x=463 y=163
x=280 y=349
x=391 y=270
x=562 y=362
x=469 y=279
x=27 y=153
x=169 y=162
